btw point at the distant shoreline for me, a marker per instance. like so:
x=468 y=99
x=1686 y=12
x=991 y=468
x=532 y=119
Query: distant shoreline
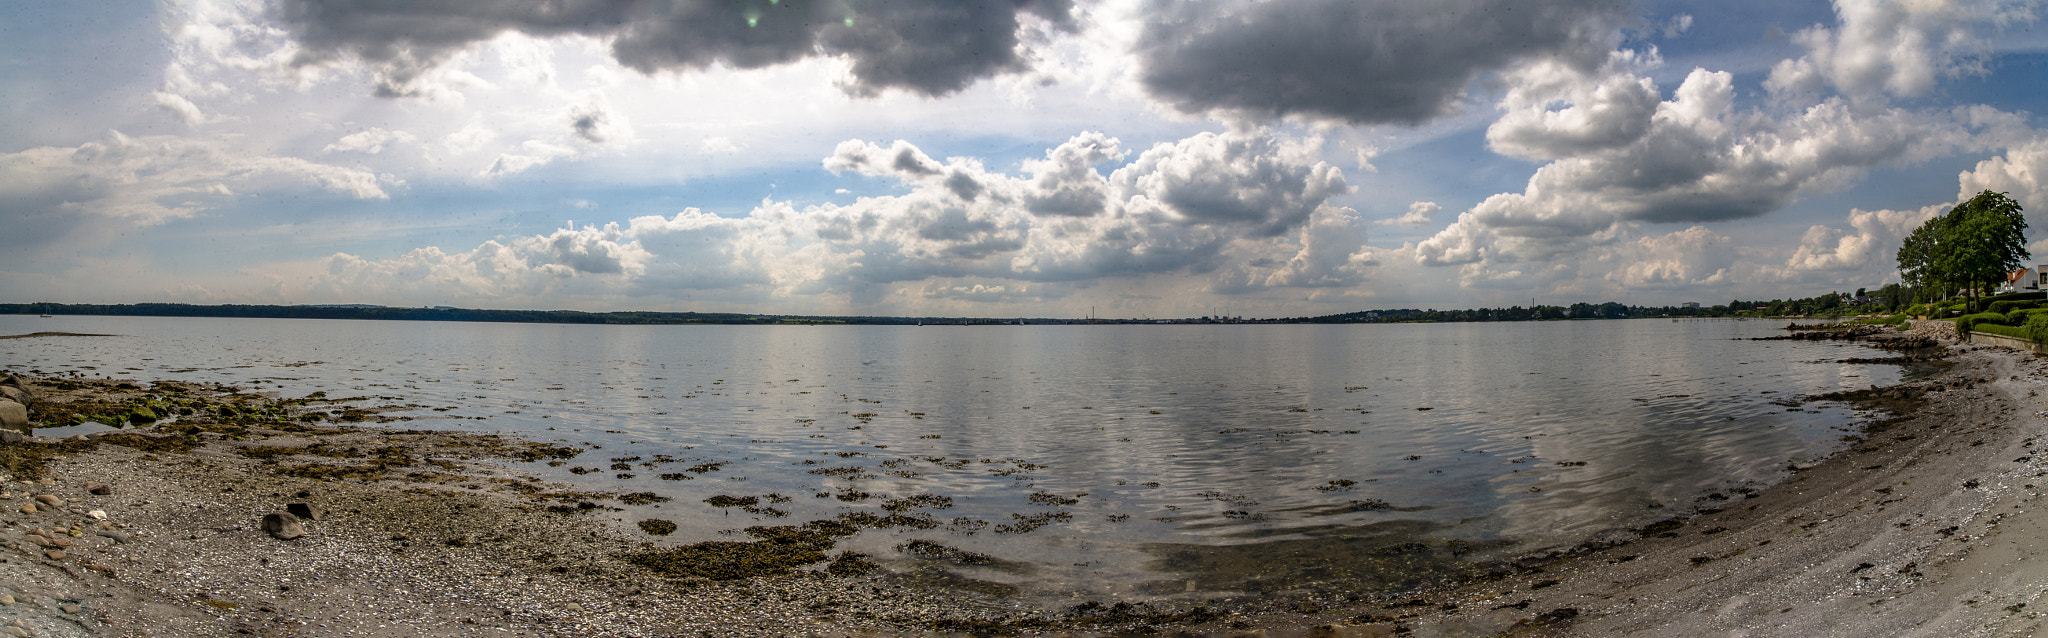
x=477 y=315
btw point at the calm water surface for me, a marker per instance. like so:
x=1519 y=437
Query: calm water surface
x=1161 y=459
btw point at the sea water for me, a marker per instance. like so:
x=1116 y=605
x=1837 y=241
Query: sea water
x=1086 y=460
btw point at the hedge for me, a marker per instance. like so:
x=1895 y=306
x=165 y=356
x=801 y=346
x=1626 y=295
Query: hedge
x=1966 y=323
x=2007 y=306
x=2015 y=332
x=2019 y=317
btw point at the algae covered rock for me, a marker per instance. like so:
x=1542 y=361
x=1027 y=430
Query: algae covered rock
x=13 y=415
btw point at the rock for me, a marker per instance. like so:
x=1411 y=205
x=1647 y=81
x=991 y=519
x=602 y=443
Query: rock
x=101 y=489
x=68 y=608
x=46 y=481
x=6 y=599
x=11 y=436
x=97 y=515
x=13 y=415
x=117 y=535
x=15 y=394
x=573 y=606
x=16 y=631
x=18 y=384
x=50 y=500
x=61 y=542
x=55 y=554
x=304 y=510
x=1351 y=631
x=282 y=525
x=28 y=508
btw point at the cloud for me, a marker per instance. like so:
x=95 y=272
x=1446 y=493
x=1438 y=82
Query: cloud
x=1417 y=215
x=531 y=153
x=1190 y=206
x=371 y=140
x=1690 y=258
x=719 y=145
x=1258 y=181
x=596 y=122
x=1897 y=48
x=1872 y=244
x=1677 y=25
x=1601 y=110
x=1698 y=160
x=1067 y=182
x=983 y=293
x=144 y=181
x=181 y=107
x=1332 y=253
x=1362 y=62
x=931 y=47
x=2022 y=173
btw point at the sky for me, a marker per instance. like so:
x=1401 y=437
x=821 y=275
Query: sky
x=1027 y=158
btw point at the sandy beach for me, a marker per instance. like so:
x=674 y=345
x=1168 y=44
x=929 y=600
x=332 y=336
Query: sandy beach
x=1921 y=527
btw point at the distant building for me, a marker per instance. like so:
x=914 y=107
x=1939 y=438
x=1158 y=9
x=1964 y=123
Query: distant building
x=2026 y=279
x=1689 y=304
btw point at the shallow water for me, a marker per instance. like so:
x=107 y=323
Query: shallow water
x=1217 y=458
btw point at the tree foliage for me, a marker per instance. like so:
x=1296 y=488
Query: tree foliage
x=1970 y=248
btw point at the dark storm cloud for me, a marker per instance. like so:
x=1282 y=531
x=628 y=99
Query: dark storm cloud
x=932 y=47
x=1358 y=61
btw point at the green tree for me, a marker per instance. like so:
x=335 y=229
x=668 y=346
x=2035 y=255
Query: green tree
x=1971 y=247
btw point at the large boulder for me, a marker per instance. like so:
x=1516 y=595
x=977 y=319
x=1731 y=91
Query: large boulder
x=16 y=395
x=13 y=415
x=15 y=382
x=282 y=525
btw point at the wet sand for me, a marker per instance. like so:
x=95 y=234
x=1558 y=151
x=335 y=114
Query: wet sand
x=1922 y=527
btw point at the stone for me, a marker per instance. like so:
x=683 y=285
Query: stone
x=573 y=606
x=101 y=489
x=60 y=542
x=306 y=511
x=1351 y=631
x=16 y=631
x=6 y=599
x=13 y=415
x=46 y=481
x=50 y=500
x=28 y=508
x=68 y=608
x=55 y=554
x=97 y=515
x=11 y=436
x=15 y=394
x=17 y=384
x=118 y=535
x=283 y=525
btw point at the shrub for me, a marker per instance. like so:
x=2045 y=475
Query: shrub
x=2015 y=332
x=2019 y=317
x=2037 y=328
x=1966 y=323
x=2009 y=305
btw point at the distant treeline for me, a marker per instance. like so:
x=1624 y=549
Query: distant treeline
x=1885 y=300
x=429 y=314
